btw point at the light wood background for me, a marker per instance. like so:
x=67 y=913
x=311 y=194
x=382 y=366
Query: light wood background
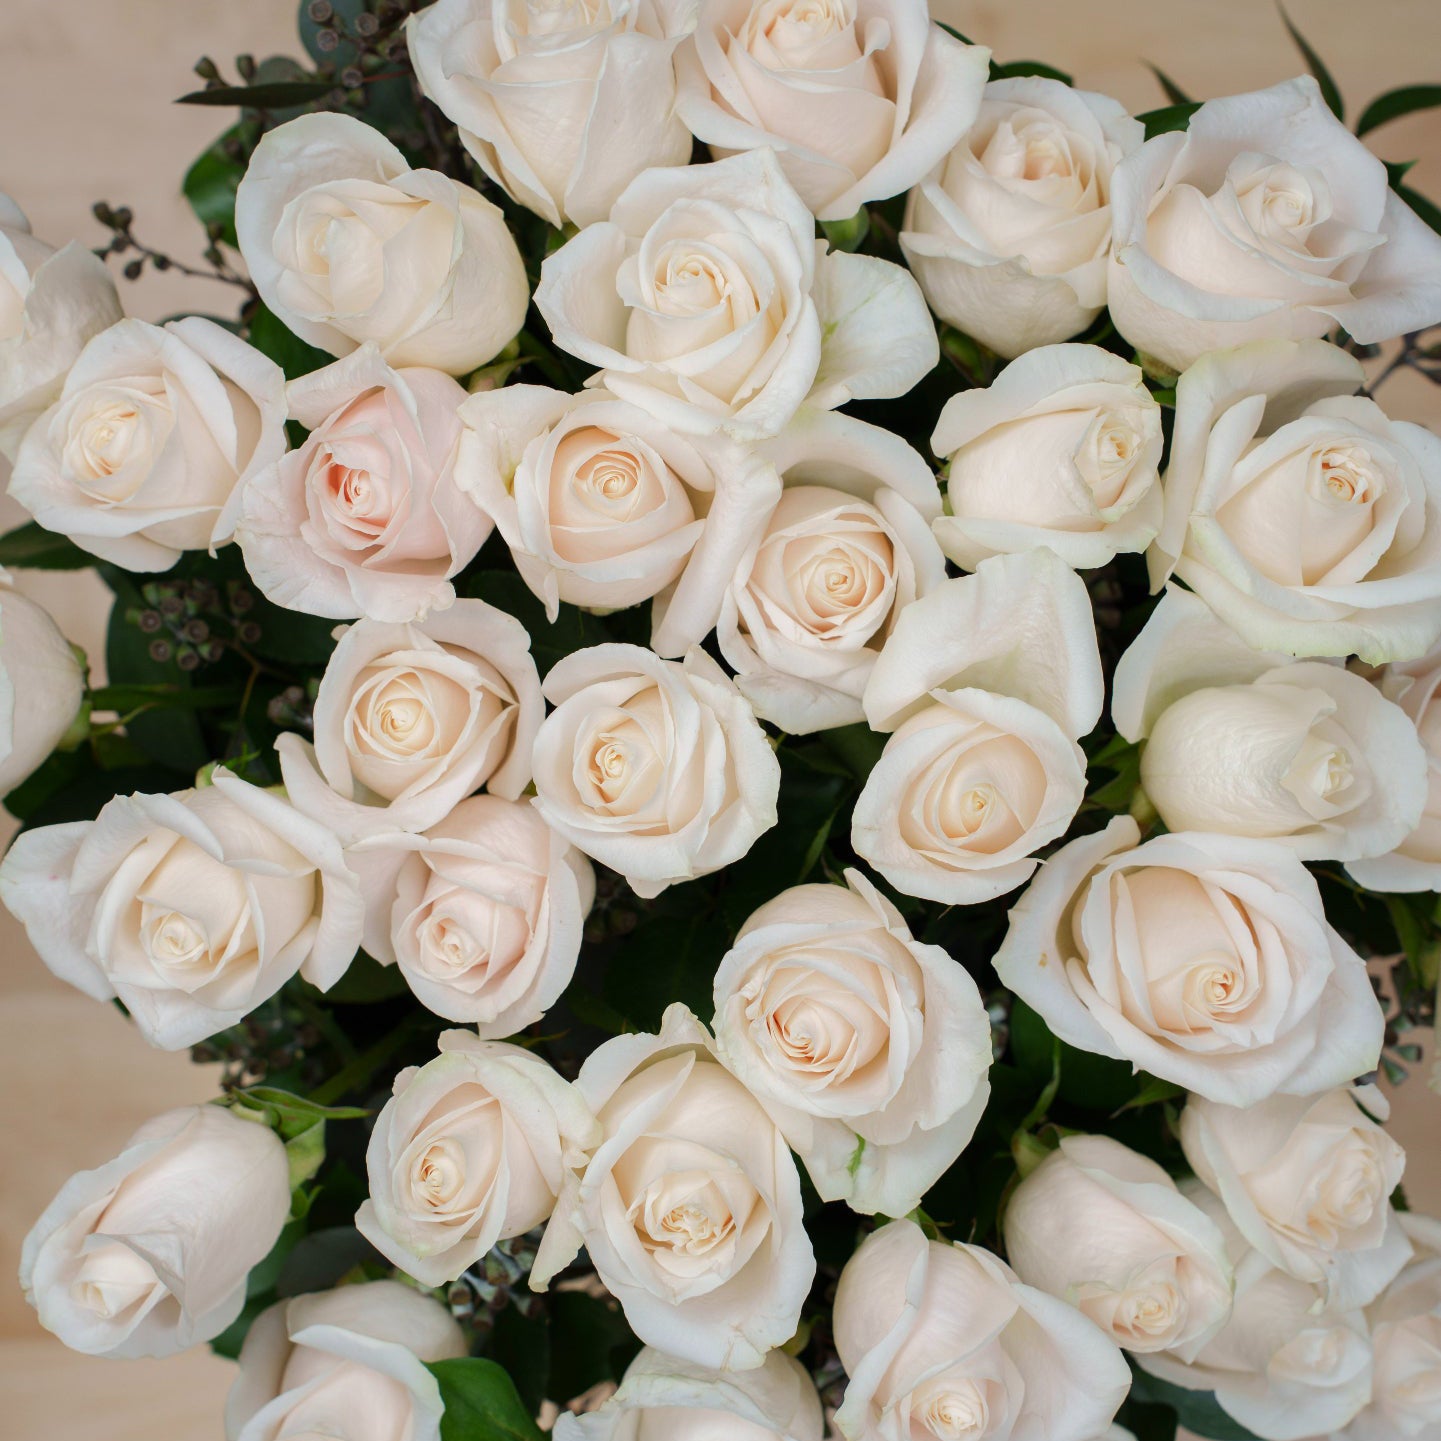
x=85 y=115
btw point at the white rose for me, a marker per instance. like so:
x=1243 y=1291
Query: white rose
x=944 y=1340
x=348 y=245
x=706 y=299
x=191 y=908
x=662 y=1398
x=563 y=105
x=1245 y=743
x=1304 y=518
x=1009 y=236
x=1265 y=218
x=150 y=1253
x=482 y=913
x=470 y=1150
x=1307 y=1180
x=157 y=427
x=42 y=682
x=1285 y=1365
x=346 y=1364
x=51 y=302
x=986 y=682
x=365 y=516
x=964 y=794
x=1062 y=450
x=657 y=769
x=604 y=506
x=690 y=1206
x=411 y=719
x=1415 y=863
x=1147 y=1265
x=1020 y=626
x=869 y=1049
x=857 y=98
x=1406 y=1338
x=819 y=586
x=1206 y=960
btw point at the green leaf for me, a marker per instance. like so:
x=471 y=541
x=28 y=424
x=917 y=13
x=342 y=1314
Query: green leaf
x=848 y=235
x=1198 y=1411
x=1396 y=103
x=1423 y=207
x=125 y=698
x=298 y=1122
x=1174 y=93
x=1015 y=69
x=279 y=95
x=211 y=182
x=270 y=335
x=1148 y=1422
x=32 y=547
x=365 y=982
x=343 y=18
x=1330 y=91
x=1168 y=118
x=1152 y=1093
x=590 y=1335
x=481 y=1403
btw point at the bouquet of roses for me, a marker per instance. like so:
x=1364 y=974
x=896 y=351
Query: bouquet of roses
x=714 y=930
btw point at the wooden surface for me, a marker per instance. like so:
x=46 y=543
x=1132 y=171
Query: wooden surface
x=84 y=115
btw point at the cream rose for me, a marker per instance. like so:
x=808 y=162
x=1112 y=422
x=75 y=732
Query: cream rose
x=191 y=908
x=1021 y=626
x=411 y=719
x=51 y=302
x=42 y=683
x=482 y=913
x=822 y=582
x=1010 y=234
x=690 y=1206
x=857 y=98
x=1145 y=1264
x=964 y=794
x=706 y=299
x=662 y=1398
x=348 y=245
x=1285 y=1365
x=563 y=105
x=655 y=768
x=157 y=427
x=365 y=517
x=1415 y=863
x=1265 y=218
x=1307 y=1180
x=1063 y=450
x=1300 y=514
x=347 y=1364
x=1406 y=1339
x=944 y=1340
x=1244 y=743
x=604 y=506
x=150 y=1253
x=986 y=682
x=1206 y=960
x=470 y=1150
x=869 y=1050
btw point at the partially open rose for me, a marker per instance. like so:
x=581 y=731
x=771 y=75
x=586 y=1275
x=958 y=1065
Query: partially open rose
x=858 y=98
x=690 y=1205
x=563 y=105
x=1265 y=218
x=706 y=299
x=1010 y=235
x=1302 y=515
x=365 y=517
x=411 y=719
x=1206 y=960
